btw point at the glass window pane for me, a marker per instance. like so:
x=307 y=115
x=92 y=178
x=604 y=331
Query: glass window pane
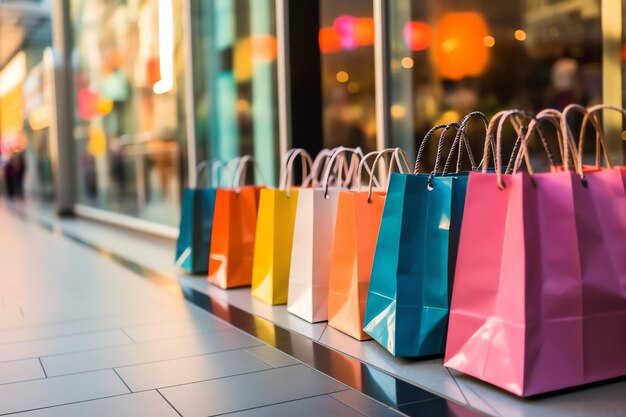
x=129 y=120
x=450 y=57
x=235 y=81
x=346 y=41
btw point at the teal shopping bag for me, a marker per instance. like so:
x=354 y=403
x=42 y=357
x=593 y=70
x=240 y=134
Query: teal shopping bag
x=196 y=221
x=409 y=294
x=196 y=225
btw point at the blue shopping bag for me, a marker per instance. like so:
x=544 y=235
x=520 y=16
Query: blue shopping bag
x=196 y=222
x=410 y=285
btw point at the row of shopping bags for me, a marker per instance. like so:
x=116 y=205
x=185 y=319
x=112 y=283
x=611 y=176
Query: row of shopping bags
x=518 y=277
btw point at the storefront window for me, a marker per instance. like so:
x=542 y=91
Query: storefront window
x=450 y=57
x=346 y=41
x=236 y=107
x=129 y=123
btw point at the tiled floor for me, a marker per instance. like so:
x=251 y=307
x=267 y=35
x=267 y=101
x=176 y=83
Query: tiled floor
x=82 y=336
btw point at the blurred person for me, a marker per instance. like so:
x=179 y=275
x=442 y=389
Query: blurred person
x=14 y=172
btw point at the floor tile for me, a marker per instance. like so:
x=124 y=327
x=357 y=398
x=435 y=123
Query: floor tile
x=30 y=395
x=186 y=370
x=17 y=371
x=364 y=404
x=227 y=395
x=97 y=324
x=149 y=404
x=272 y=356
x=308 y=407
x=57 y=345
x=138 y=353
x=175 y=329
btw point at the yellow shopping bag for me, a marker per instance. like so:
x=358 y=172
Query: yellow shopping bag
x=274 y=233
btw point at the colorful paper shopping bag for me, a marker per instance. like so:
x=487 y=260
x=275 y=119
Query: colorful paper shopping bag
x=234 y=229
x=196 y=222
x=312 y=244
x=274 y=234
x=408 y=297
x=358 y=219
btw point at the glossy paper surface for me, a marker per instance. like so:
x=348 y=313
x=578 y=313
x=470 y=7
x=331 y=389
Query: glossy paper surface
x=196 y=225
x=539 y=301
x=311 y=254
x=272 y=248
x=354 y=244
x=407 y=306
x=232 y=241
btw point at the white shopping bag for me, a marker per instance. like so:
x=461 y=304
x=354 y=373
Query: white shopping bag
x=312 y=242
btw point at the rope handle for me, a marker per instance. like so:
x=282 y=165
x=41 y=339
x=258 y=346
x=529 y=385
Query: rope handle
x=213 y=178
x=600 y=138
x=401 y=161
x=313 y=178
x=284 y=160
x=339 y=153
x=569 y=139
x=461 y=140
x=229 y=172
x=242 y=169
x=370 y=169
x=549 y=115
x=307 y=164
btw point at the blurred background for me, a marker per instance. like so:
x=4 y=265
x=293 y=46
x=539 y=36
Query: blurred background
x=107 y=106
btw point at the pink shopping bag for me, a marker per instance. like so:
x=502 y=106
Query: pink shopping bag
x=516 y=317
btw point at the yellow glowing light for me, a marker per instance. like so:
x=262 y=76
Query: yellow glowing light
x=166 y=48
x=13 y=73
x=398 y=111
x=624 y=135
x=489 y=41
x=407 y=62
x=243 y=105
x=354 y=87
x=520 y=35
x=342 y=76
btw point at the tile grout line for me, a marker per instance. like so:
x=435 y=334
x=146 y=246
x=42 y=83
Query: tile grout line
x=122 y=379
x=168 y=402
x=129 y=336
x=42 y=367
x=150 y=362
x=64 y=404
x=328 y=394
x=215 y=379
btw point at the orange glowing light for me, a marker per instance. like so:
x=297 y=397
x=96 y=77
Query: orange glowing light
x=460 y=49
x=329 y=40
x=264 y=48
x=364 y=31
x=417 y=35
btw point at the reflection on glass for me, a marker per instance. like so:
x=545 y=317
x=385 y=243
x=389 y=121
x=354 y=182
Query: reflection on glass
x=346 y=41
x=128 y=94
x=235 y=81
x=450 y=57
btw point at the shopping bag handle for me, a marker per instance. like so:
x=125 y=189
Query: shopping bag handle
x=600 y=139
x=242 y=169
x=284 y=159
x=229 y=172
x=569 y=136
x=444 y=133
x=213 y=178
x=550 y=115
x=370 y=169
x=307 y=164
x=313 y=178
x=402 y=164
x=462 y=141
x=339 y=152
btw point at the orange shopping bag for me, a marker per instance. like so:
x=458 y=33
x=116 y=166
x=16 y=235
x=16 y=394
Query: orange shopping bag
x=354 y=243
x=234 y=228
